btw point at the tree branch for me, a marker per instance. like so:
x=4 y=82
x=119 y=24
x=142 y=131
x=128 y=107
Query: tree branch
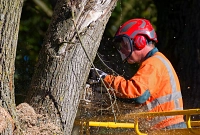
x=44 y=7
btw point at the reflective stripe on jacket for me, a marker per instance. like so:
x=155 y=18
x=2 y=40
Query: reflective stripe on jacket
x=155 y=85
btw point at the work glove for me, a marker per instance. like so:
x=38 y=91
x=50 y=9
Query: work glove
x=94 y=77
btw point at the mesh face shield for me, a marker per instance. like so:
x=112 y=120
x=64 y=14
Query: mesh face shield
x=124 y=45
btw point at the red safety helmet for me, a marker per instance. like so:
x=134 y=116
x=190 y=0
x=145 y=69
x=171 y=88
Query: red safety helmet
x=135 y=32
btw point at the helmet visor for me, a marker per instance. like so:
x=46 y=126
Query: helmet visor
x=124 y=46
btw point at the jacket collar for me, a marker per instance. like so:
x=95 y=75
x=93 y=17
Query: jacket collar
x=151 y=53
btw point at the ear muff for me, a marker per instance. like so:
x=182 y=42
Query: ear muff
x=140 y=41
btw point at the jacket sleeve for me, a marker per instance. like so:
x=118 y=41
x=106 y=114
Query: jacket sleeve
x=139 y=88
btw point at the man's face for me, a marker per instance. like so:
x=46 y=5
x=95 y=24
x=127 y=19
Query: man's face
x=124 y=47
x=130 y=54
x=128 y=51
x=134 y=57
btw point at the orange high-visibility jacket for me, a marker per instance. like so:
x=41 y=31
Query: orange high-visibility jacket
x=155 y=85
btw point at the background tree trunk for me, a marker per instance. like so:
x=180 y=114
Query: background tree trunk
x=62 y=69
x=10 y=13
x=178 y=38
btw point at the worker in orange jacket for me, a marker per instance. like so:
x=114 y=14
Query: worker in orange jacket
x=155 y=84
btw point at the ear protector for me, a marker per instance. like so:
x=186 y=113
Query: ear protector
x=140 y=41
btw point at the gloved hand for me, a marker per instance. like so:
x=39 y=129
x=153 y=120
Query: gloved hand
x=94 y=77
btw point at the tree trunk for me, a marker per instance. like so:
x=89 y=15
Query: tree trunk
x=63 y=66
x=178 y=32
x=10 y=12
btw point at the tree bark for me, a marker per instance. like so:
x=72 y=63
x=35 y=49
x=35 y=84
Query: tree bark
x=10 y=13
x=178 y=32
x=63 y=66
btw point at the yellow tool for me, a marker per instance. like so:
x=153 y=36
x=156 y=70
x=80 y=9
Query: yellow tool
x=193 y=127
x=111 y=124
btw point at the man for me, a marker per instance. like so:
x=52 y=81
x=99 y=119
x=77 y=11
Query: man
x=155 y=84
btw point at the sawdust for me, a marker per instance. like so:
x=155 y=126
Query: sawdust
x=30 y=122
x=33 y=123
